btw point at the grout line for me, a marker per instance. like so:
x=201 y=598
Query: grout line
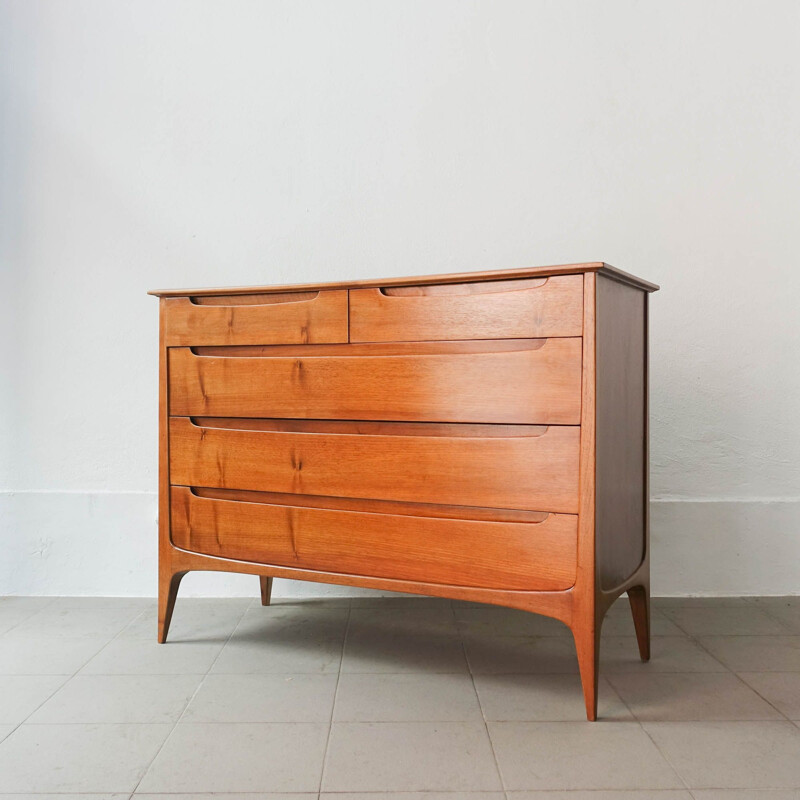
x=189 y=702
x=333 y=705
x=483 y=717
x=753 y=689
x=31 y=615
x=83 y=664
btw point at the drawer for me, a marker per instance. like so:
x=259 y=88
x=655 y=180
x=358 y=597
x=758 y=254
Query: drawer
x=282 y=318
x=524 y=381
x=523 y=309
x=539 y=555
x=520 y=467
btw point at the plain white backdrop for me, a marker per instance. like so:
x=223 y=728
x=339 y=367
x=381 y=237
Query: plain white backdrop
x=166 y=144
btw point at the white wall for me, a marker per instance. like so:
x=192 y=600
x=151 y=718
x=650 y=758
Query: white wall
x=151 y=144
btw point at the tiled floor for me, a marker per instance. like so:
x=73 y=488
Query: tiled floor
x=404 y=698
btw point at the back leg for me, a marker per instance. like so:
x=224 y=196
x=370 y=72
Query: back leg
x=639 y=598
x=266 y=589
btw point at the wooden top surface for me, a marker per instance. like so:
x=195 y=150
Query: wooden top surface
x=413 y=280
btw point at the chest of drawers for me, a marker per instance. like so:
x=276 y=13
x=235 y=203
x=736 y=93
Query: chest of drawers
x=476 y=436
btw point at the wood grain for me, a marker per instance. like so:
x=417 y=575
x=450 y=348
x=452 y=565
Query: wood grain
x=374 y=506
x=313 y=317
x=535 y=385
x=537 y=473
x=504 y=555
x=544 y=307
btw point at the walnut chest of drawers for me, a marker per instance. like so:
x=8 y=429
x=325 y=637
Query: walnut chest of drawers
x=474 y=436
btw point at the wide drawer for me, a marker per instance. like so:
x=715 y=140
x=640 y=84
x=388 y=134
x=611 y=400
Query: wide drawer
x=283 y=318
x=533 y=468
x=525 y=381
x=539 y=307
x=535 y=556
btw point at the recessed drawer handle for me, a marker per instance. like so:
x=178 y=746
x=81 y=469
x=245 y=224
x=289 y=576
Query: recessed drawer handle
x=252 y=299
x=371 y=428
x=462 y=289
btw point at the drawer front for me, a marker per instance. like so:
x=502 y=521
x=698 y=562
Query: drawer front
x=489 y=310
x=524 y=382
x=462 y=552
x=537 y=470
x=288 y=318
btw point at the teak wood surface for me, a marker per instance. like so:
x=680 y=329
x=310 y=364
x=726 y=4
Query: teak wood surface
x=483 y=442
x=543 y=307
x=437 y=549
x=456 y=382
x=532 y=472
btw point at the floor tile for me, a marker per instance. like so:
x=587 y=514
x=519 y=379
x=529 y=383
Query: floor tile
x=286 y=652
x=406 y=698
x=701 y=602
x=736 y=755
x=21 y=695
x=691 y=696
x=78 y=758
x=756 y=653
x=499 y=621
x=263 y=698
x=139 y=603
x=57 y=621
x=206 y=620
x=267 y=623
x=224 y=796
x=578 y=755
x=782 y=689
x=241 y=757
x=619 y=622
x=668 y=654
x=48 y=656
x=432 y=619
x=400 y=600
x=24 y=603
x=394 y=651
x=412 y=796
x=14 y=610
x=71 y=796
x=119 y=699
x=725 y=621
x=785 y=610
x=409 y=756
x=138 y=657
x=323 y=602
x=543 y=698
x=650 y=794
x=746 y=794
x=517 y=654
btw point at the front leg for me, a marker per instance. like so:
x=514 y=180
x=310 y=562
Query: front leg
x=168 y=583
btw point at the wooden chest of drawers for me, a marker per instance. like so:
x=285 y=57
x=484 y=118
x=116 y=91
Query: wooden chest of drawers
x=476 y=436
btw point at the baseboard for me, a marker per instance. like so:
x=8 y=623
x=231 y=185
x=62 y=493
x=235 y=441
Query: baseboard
x=72 y=543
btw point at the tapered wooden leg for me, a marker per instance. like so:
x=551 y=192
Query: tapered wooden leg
x=167 y=594
x=639 y=598
x=587 y=645
x=266 y=589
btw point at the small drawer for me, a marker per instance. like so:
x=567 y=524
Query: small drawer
x=528 y=556
x=252 y=319
x=519 y=381
x=530 y=308
x=519 y=467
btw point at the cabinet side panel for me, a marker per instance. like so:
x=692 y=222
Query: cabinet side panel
x=621 y=432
